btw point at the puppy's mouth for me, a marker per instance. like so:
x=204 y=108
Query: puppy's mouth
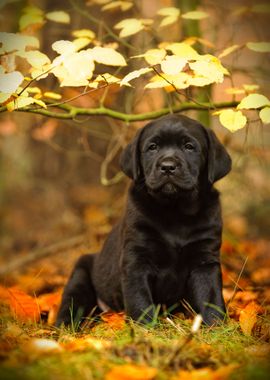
x=170 y=188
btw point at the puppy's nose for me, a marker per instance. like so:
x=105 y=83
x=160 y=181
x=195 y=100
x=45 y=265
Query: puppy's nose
x=168 y=167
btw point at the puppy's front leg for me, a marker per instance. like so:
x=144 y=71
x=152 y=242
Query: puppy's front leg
x=205 y=292
x=137 y=294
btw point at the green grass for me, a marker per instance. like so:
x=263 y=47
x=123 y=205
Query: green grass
x=164 y=347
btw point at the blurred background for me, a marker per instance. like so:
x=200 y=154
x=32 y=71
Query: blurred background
x=60 y=185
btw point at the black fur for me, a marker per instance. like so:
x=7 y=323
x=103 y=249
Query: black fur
x=166 y=247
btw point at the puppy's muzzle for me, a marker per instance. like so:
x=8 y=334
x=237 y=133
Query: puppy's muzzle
x=167 y=166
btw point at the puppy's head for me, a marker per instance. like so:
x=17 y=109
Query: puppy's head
x=173 y=155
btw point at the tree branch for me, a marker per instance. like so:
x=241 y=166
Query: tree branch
x=67 y=111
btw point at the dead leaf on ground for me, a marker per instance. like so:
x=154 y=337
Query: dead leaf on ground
x=222 y=373
x=248 y=317
x=131 y=372
x=24 y=307
x=82 y=344
x=115 y=320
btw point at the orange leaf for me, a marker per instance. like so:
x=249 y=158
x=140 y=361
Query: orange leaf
x=131 y=372
x=23 y=306
x=4 y=295
x=114 y=320
x=47 y=301
x=82 y=344
x=221 y=373
x=248 y=317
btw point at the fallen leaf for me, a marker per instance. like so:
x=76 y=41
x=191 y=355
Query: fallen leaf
x=115 y=320
x=24 y=307
x=131 y=372
x=221 y=373
x=82 y=344
x=248 y=317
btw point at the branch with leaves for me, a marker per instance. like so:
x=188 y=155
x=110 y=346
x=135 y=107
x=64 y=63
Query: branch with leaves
x=169 y=66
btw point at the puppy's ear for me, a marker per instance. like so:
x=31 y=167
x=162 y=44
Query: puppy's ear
x=219 y=161
x=130 y=158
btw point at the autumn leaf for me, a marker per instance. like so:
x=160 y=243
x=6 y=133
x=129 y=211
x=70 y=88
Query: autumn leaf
x=58 y=16
x=123 y=5
x=108 y=56
x=81 y=33
x=232 y=120
x=35 y=58
x=248 y=317
x=15 y=41
x=253 y=101
x=173 y=64
x=221 y=373
x=228 y=50
x=115 y=320
x=31 y=16
x=129 y=27
x=9 y=82
x=86 y=343
x=265 y=115
x=182 y=49
x=131 y=372
x=260 y=47
x=171 y=15
x=24 y=307
x=195 y=15
x=134 y=74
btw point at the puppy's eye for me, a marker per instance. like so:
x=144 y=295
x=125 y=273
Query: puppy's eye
x=153 y=146
x=189 y=146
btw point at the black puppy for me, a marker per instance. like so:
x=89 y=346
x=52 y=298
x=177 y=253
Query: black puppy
x=166 y=247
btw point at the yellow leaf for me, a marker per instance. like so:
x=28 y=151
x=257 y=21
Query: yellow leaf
x=131 y=372
x=123 y=5
x=31 y=9
x=182 y=49
x=58 y=16
x=52 y=95
x=248 y=317
x=4 y=97
x=30 y=19
x=154 y=56
x=35 y=58
x=171 y=15
x=203 y=41
x=211 y=70
x=129 y=26
x=64 y=47
x=134 y=74
x=260 y=47
x=253 y=101
x=81 y=33
x=40 y=103
x=76 y=70
x=81 y=42
x=179 y=81
x=108 y=56
x=232 y=120
x=265 y=115
x=19 y=102
x=9 y=82
x=195 y=15
x=33 y=90
x=228 y=50
x=234 y=91
x=107 y=78
x=173 y=64
x=168 y=11
x=250 y=87
x=13 y=41
x=41 y=73
x=82 y=344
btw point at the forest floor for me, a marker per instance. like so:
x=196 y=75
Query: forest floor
x=115 y=348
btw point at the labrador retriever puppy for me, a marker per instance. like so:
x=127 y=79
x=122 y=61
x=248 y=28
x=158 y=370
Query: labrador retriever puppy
x=166 y=248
